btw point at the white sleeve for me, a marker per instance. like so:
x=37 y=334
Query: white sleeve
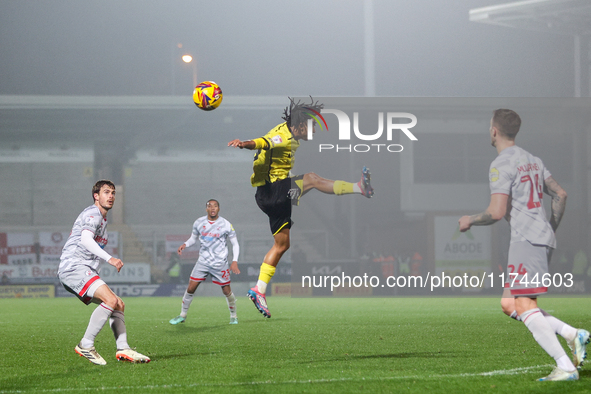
x=191 y=241
x=546 y=174
x=87 y=240
x=235 y=248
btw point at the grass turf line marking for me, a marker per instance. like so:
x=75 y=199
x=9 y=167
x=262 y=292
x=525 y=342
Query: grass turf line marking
x=514 y=371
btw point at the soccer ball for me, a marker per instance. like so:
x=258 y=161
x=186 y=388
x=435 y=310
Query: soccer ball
x=207 y=95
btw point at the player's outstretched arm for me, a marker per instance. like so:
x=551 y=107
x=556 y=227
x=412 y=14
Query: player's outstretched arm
x=242 y=144
x=553 y=189
x=495 y=212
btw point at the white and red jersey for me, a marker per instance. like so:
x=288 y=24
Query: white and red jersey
x=213 y=236
x=74 y=253
x=521 y=175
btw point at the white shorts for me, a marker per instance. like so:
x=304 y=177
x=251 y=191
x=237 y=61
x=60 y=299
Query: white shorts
x=82 y=281
x=528 y=264
x=219 y=276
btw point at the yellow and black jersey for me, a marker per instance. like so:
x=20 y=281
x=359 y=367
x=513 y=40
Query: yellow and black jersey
x=274 y=157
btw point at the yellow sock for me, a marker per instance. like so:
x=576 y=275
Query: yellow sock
x=342 y=187
x=267 y=272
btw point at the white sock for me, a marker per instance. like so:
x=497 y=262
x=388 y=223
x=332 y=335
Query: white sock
x=565 y=363
x=569 y=333
x=117 y=322
x=231 y=300
x=544 y=335
x=97 y=320
x=561 y=328
x=262 y=286
x=357 y=188
x=187 y=299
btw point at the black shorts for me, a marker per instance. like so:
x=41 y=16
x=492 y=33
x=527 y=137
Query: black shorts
x=276 y=200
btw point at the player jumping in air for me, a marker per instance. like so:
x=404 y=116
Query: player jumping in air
x=517 y=180
x=213 y=231
x=79 y=275
x=277 y=190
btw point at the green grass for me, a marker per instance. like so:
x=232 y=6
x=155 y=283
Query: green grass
x=309 y=345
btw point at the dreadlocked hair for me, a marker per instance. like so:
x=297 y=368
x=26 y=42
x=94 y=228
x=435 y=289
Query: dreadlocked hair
x=299 y=113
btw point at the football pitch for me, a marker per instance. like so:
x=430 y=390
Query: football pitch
x=309 y=345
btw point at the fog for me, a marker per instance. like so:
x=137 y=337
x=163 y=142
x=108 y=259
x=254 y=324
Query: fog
x=422 y=48
x=92 y=90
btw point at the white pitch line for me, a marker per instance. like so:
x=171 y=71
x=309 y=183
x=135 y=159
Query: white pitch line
x=514 y=371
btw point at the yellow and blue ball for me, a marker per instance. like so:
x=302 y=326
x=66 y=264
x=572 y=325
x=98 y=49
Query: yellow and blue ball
x=207 y=95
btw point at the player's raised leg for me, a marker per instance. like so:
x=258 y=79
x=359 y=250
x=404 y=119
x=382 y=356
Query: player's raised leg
x=314 y=181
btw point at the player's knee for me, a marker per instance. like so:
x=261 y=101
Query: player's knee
x=508 y=306
x=282 y=246
x=281 y=242
x=521 y=307
x=312 y=179
x=111 y=300
x=193 y=285
x=281 y=249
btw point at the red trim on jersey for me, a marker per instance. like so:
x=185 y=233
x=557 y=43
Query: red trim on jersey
x=196 y=279
x=87 y=285
x=220 y=283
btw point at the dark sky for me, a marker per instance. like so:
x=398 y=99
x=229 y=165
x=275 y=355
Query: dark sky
x=422 y=48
